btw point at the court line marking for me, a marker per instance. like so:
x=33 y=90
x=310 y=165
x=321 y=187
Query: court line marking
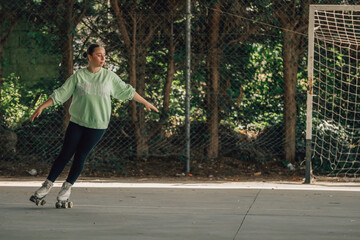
x=349 y=187
x=246 y=214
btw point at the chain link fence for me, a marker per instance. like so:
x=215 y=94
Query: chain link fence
x=248 y=79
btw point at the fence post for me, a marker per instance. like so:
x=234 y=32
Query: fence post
x=187 y=76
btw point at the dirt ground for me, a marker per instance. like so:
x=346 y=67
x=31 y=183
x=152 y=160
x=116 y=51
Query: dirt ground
x=222 y=169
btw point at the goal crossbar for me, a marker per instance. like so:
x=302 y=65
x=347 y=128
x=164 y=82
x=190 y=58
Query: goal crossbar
x=315 y=7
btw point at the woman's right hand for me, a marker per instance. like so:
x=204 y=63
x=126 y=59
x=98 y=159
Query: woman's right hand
x=38 y=111
x=36 y=114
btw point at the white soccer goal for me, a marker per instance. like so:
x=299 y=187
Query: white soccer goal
x=333 y=105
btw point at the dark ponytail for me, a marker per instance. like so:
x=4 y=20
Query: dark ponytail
x=91 y=49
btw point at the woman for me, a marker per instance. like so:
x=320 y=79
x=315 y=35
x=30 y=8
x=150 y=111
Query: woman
x=90 y=110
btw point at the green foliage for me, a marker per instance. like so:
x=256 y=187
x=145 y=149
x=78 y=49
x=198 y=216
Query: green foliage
x=251 y=73
x=261 y=104
x=15 y=101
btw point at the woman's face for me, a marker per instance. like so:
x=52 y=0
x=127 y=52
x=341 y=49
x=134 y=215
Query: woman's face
x=98 y=57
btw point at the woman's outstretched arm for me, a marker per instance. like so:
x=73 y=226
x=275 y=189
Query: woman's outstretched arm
x=148 y=105
x=38 y=111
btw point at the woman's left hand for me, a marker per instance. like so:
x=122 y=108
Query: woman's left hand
x=149 y=106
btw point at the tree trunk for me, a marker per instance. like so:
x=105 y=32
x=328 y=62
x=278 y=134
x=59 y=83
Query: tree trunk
x=167 y=87
x=1 y=71
x=136 y=53
x=293 y=47
x=129 y=38
x=67 y=65
x=132 y=81
x=213 y=81
x=290 y=69
x=66 y=70
x=171 y=69
x=2 y=117
x=170 y=72
x=142 y=148
x=132 y=55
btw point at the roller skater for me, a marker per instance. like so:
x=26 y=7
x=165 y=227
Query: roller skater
x=91 y=89
x=40 y=194
x=63 y=196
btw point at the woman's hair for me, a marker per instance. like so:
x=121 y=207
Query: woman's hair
x=91 y=49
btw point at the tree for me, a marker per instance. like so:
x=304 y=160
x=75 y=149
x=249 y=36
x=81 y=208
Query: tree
x=171 y=13
x=172 y=10
x=137 y=24
x=213 y=75
x=224 y=28
x=293 y=18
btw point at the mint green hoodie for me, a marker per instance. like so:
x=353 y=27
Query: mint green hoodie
x=91 y=102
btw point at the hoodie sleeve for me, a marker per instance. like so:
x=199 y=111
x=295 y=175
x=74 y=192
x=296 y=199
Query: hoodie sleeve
x=122 y=90
x=63 y=93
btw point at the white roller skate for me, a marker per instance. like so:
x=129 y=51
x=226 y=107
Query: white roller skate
x=40 y=194
x=63 y=196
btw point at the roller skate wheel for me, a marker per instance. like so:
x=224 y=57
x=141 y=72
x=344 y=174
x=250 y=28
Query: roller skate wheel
x=38 y=202
x=70 y=204
x=32 y=199
x=58 y=205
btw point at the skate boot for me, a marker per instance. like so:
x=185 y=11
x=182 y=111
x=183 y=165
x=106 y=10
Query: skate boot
x=63 y=196
x=40 y=194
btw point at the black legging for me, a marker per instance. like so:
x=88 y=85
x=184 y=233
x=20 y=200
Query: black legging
x=79 y=141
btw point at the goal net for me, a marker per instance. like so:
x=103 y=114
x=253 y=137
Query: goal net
x=333 y=111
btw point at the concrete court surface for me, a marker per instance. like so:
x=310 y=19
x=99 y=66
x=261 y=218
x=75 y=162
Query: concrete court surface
x=200 y=211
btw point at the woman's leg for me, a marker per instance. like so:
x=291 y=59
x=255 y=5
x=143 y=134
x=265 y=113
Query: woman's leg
x=88 y=141
x=71 y=141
